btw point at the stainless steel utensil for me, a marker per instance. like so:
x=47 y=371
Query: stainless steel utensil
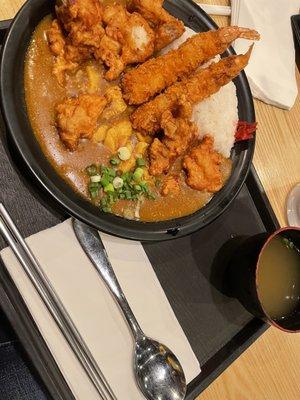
x=157 y=370
x=50 y=298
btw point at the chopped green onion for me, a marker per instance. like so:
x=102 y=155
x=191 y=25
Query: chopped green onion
x=93 y=189
x=103 y=201
x=112 y=172
x=117 y=185
x=118 y=182
x=95 y=178
x=94 y=193
x=104 y=181
x=124 y=176
x=140 y=162
x=124 y=153
x=127 y=195
x=93 y=185
x=127 y=176
x=109 y=188
x=138 y=173
x=106 y=209
x=91 y=170
x=288 y=243
x=115 y=161
x=151 y=196
x=144 y=186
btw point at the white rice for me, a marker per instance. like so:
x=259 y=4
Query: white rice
x=217 y=115
x=186 y=34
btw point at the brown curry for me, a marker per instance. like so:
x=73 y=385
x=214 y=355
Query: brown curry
x=43 y=93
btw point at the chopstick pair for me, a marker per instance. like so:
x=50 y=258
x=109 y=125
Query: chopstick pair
x=214 y=9
x=50 y=298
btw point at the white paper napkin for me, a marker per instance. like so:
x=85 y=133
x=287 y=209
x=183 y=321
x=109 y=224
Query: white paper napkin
x=271 y=70
x=95 y=313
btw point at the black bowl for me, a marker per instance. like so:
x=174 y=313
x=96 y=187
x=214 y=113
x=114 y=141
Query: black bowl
x=242 y=277
x=20 y=131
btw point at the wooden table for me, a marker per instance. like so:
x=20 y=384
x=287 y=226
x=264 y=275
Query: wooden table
x=270 y=368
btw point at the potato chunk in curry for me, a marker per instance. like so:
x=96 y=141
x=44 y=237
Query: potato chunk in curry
x=118 y=135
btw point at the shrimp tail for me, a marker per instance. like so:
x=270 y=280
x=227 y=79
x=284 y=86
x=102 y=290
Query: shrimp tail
x=231 y=33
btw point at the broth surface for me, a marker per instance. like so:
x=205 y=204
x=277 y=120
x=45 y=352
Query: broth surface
x=279 y=278
x=43 y=93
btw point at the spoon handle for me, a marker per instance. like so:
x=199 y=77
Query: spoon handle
x=92 y=244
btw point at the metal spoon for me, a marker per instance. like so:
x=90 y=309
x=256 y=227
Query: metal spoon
x=157 y=370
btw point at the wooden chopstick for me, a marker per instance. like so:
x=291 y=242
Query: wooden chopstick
x=50 y=298
x=214 y=9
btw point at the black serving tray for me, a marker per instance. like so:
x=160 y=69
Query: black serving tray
x=191 y=271
x=295 y=20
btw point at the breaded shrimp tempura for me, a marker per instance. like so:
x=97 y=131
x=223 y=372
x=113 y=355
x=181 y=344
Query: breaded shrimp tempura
x=156 y=74
x=196 y=88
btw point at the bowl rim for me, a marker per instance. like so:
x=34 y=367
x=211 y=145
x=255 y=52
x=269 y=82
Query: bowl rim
x=118 y=226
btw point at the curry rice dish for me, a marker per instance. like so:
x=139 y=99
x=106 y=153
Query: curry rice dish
x=115 y=113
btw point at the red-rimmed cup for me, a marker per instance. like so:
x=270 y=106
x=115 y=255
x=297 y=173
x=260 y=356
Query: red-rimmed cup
x=243 y=277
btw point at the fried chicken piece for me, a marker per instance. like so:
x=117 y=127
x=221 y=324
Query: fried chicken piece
x=77 y=118
x=109 y=52
x=56 y=38
x=61 y=66
x=179 y=133
x=203 y=167
x=61 y=46
x=57 y=44
x=170 y=185
x=68 y=57
x=77 y=54
x=128 y=40
x=167 y=28
x=196 y=88
x=153 y=76
x=82 y=20
x=159 y=158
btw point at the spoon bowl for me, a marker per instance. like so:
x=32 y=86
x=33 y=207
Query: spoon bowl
x=158 y=371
